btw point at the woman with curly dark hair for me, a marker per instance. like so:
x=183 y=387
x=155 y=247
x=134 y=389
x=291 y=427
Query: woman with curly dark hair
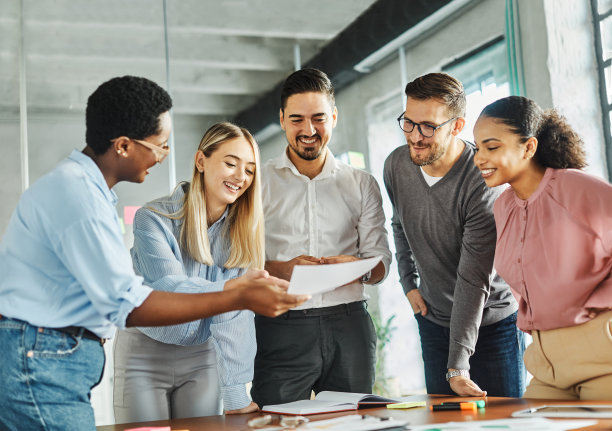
x=554 y=246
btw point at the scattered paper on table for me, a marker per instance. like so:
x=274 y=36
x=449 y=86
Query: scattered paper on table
x=531 y=424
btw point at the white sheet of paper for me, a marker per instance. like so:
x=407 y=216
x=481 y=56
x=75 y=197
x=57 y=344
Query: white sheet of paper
x=311 y=279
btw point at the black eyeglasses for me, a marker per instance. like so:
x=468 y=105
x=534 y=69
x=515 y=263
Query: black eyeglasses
x=424 y=129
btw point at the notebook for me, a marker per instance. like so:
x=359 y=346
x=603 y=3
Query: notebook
x=329 y=401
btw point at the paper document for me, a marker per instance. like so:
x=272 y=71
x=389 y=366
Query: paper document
x=531 y=424
x=310 y=279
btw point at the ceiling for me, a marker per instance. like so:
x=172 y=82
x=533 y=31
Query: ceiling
x=224 y=54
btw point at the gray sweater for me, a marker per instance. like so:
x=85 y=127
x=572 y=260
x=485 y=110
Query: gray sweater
x=445 y=245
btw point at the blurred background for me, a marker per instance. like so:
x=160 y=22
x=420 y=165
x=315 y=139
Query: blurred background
x=226 y=59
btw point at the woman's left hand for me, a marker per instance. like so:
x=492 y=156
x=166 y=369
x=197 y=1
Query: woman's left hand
x=251 y=408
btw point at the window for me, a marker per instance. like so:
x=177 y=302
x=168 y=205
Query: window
x=602 y=21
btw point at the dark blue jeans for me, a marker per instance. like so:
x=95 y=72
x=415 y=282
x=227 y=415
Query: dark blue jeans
x=496 y=365
x=46 y=377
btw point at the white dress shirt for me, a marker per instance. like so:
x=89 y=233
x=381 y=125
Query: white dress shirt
x=337 y=212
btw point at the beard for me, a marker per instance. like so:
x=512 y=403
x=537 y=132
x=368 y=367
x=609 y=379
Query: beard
x=307 y=153
x=436 y=151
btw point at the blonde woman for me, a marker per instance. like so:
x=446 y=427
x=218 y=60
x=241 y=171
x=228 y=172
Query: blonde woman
x=206 y=237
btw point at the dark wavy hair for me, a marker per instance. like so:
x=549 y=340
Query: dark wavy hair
x=439 y=86
x=124 y=106
x=306 y=81
x=559 y=146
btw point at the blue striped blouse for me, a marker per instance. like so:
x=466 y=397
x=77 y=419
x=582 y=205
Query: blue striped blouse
x=157 y=256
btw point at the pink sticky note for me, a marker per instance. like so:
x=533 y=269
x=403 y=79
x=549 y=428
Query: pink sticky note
x=128 y=214
x=149 y=429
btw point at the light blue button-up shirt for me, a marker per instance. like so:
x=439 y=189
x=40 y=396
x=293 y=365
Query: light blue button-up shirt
x=62 y=258
x=158 y=256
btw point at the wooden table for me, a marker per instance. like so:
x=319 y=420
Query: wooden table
x=496 y=408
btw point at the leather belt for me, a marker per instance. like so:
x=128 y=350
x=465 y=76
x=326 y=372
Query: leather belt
x=325 y=311
x=83 y=332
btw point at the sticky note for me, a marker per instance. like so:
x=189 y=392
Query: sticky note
x=407 y=405
x=129 y=211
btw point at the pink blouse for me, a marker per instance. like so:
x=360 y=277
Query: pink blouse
x=555 y=248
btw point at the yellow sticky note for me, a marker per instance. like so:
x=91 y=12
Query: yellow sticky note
x=407 y=405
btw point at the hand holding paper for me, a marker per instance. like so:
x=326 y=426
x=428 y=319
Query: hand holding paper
x=310 y=279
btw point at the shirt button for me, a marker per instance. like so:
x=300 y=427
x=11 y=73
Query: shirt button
x=30 y=354
x=519 y=260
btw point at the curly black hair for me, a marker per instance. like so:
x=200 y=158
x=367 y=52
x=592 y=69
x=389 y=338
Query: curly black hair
x=124 y=106
x=559 y=146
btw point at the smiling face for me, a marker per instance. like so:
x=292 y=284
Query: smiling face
x=501 y=156
x=427 y=151
x=140 y=157
x=308 y=120
x=228 y=173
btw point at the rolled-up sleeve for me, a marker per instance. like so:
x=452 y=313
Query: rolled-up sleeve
x=94 y=253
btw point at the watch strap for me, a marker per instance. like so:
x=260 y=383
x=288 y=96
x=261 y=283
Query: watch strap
x=455 y=373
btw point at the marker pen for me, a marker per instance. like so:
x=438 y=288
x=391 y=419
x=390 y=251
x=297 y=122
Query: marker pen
x=461 y=406
x=479 y=403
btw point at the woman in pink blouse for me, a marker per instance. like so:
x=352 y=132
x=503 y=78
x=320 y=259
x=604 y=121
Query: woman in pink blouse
x=554 y=246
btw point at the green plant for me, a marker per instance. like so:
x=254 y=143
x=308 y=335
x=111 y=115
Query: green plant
x=384 y=333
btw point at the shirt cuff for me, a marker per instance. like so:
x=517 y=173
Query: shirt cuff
x=234 y=397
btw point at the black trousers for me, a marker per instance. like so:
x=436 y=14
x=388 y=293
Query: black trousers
x=329 y=348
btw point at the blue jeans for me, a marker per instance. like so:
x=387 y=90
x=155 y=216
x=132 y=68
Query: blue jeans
x=46 y=378
x=496 y=365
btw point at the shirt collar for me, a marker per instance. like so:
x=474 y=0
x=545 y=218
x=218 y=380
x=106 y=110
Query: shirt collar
x=548 y=176
x=93 y=171
x=329 y=167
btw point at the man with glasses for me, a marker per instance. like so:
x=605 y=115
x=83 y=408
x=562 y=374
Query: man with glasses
x=67 y=279
x=445 y=244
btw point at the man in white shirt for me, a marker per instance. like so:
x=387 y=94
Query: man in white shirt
x=318 y=210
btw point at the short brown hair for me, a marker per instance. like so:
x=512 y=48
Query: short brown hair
x=439 y=86
x=307 y=81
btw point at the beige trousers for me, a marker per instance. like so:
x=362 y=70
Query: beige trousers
x=572 y=363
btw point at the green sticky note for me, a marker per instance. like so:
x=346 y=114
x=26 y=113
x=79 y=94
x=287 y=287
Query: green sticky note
x=407 y=405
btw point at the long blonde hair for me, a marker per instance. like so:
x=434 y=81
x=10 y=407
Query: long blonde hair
x=245 y=217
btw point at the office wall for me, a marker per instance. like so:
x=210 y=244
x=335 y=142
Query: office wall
x=10 y=169
x=557 y=63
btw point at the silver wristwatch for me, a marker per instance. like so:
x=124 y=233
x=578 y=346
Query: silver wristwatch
x=455 y=373
x=366 y=277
